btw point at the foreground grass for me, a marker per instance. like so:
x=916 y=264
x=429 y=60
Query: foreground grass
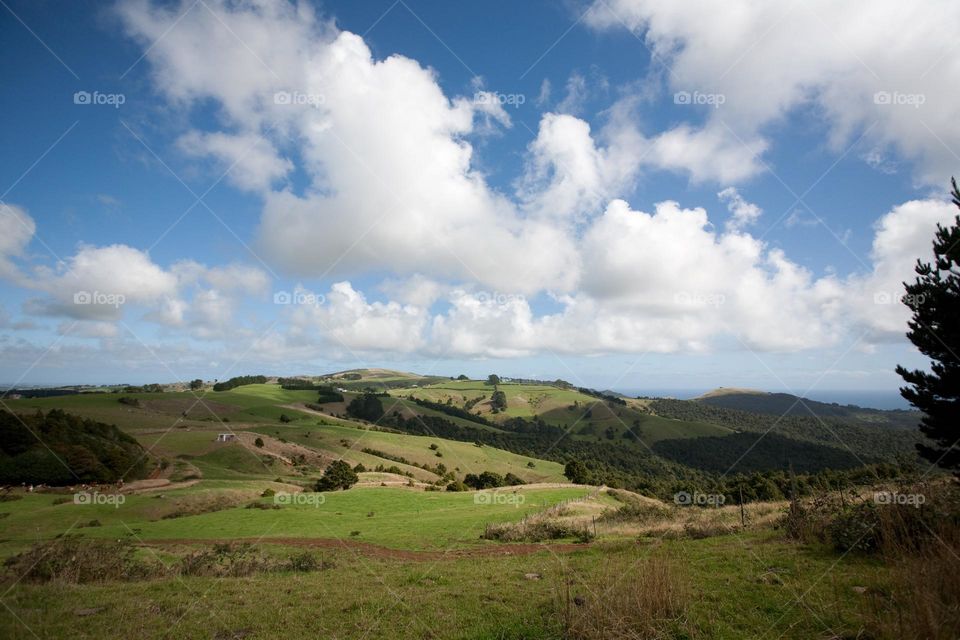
x=739 y=586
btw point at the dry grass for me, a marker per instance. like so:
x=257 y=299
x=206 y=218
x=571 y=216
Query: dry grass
x=645 y=517
x=643 y=601
x=923 y=547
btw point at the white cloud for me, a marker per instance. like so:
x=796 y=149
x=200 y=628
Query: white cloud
x=18 y=229
x=888 y=76
x=392 y=185
x=903 y=235
x=744 y=213
x=393 y=190
x=250 y=160
x=347 y=321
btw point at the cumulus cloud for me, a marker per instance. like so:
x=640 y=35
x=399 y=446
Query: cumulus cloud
x=903 y=235
x=742 y=213
x=391 y=186
x=250 y=161
x=344 y=320
x=754 y=63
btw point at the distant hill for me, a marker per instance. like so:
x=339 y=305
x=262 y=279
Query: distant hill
x=785 y=404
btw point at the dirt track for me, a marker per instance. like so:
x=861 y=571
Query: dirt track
x=376 y=551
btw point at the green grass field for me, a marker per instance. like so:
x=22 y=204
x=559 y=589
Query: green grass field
x=399 y=560
x=729 y=596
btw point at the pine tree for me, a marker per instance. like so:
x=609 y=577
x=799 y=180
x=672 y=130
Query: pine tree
x=934 y=299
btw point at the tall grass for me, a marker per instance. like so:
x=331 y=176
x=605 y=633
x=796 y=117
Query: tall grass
x=643 y=601
x=919 y=542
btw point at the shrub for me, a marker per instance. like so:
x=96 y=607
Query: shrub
x=338 y=475
x=258 y=443
x=73 y=560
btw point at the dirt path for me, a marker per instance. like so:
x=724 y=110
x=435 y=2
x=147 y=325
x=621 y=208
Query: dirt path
x=376 y=551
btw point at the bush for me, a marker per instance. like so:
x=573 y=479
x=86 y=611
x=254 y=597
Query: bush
x=258 y=443
x=536 y=531
x=73 y=560
x=456 y=485
x=512 y=480
x=338 y=475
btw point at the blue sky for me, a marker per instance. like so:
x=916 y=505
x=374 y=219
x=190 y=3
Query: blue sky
x=479 y=187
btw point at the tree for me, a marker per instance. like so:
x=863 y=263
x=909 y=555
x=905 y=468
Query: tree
x=366 y=407
x=934 y=299
x=338 y=475
x=493 y=379
x=258 y=443
x=462 y=377
x=577 y=472
x=196 y=384
x=498 y=401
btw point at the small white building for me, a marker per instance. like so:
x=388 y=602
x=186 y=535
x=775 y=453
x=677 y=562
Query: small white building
x=226 y=437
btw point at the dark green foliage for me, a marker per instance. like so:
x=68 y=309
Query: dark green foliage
x=366 y=407
x=934 y=299
x=338 y=475
x=749 y=452
x=493 y=379
x=59 y=448
x=285 y=418
x=238 y=382
x=296 y=384
x=258 y=443
x=576 y=472
x=512 y=480
x=451 y=410
x=498 y=401
x=864 y=439
x=127 y=400
x=462 y=377
x=196 y=384
x=486 y=480
x=328 y=394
